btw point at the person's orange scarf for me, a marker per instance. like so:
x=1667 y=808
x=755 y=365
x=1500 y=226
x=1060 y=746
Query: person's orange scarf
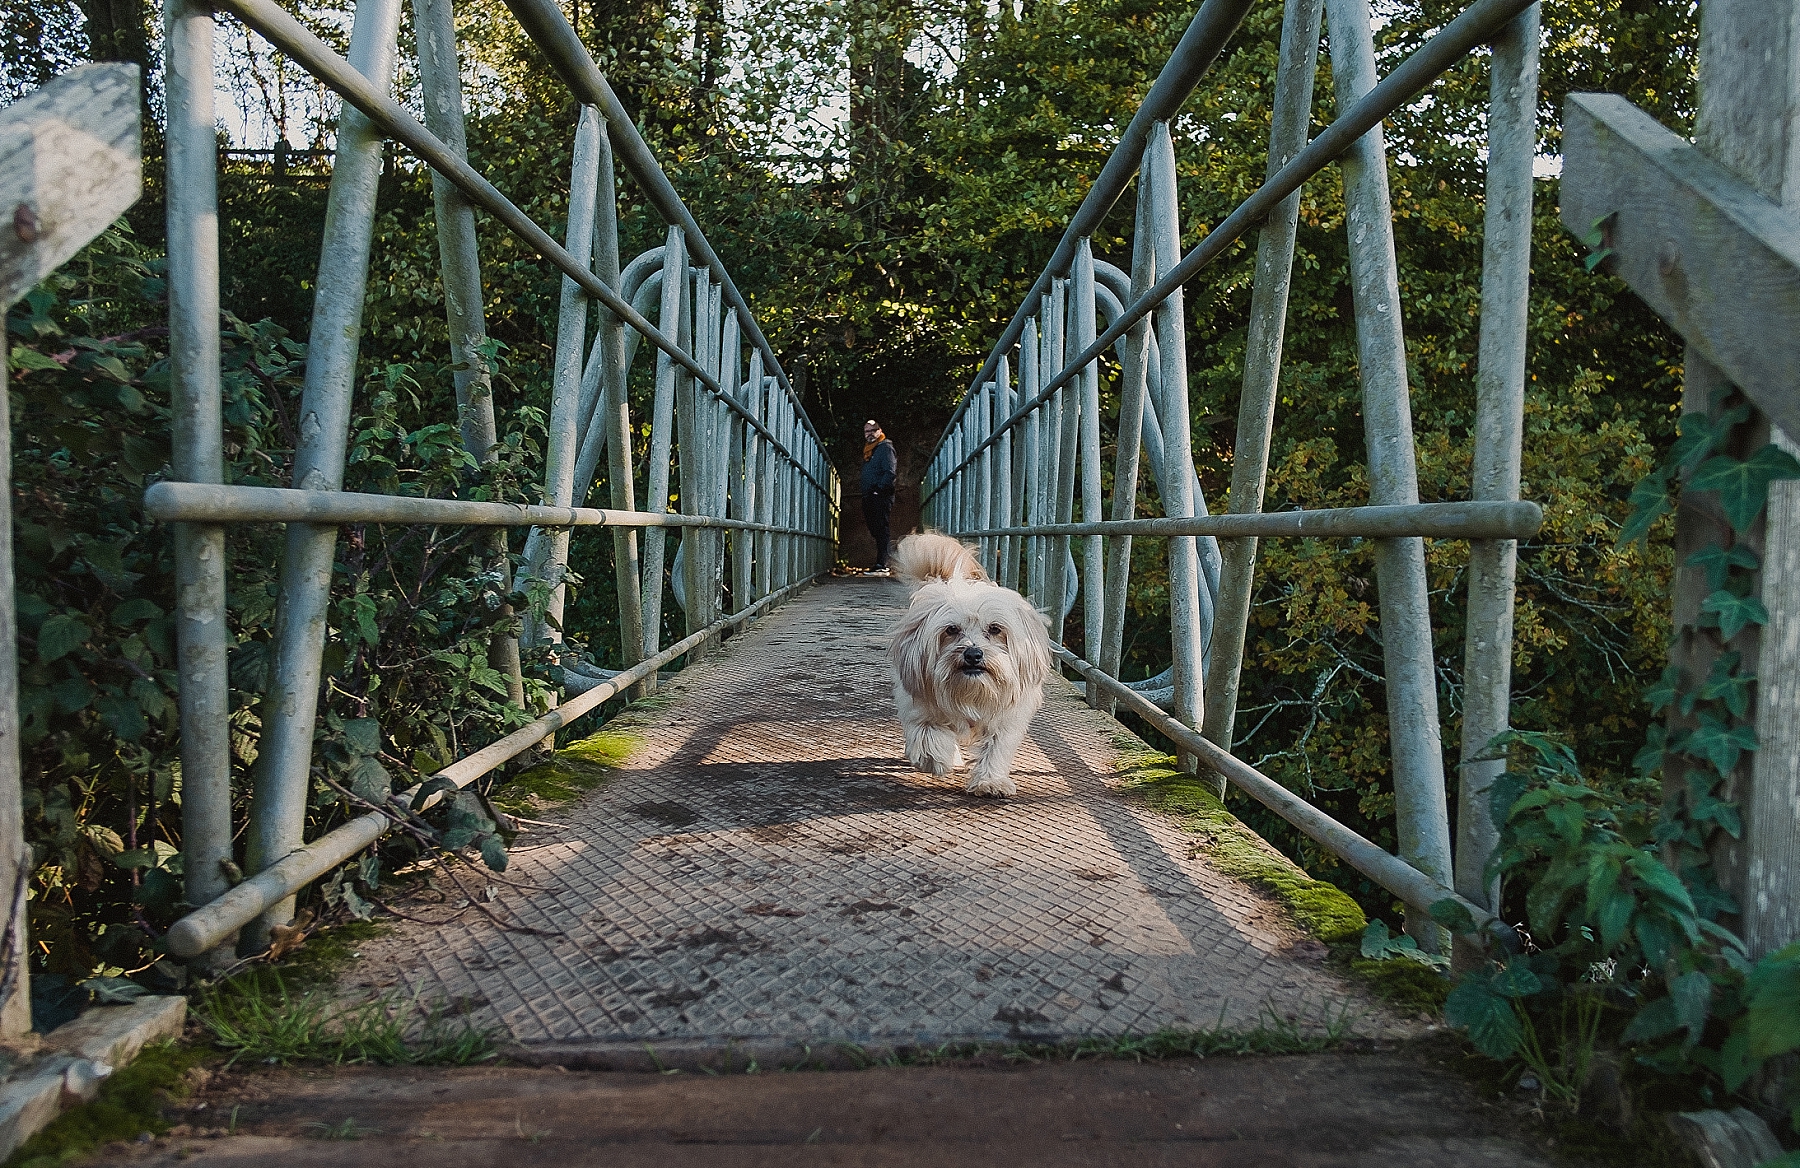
x=869 y=447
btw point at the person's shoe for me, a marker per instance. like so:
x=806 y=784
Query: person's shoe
x=880 y=570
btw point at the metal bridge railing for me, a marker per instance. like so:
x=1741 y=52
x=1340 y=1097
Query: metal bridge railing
x=1018 y=457
x=758 y=497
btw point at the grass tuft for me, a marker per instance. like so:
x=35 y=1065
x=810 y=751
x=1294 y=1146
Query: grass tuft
x=1322 y=910
x=262 y=1019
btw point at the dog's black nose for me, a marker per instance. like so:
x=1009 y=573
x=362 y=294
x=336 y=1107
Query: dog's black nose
x=972 y=656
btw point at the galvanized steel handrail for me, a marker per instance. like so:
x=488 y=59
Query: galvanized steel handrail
x=753 y=467
x=1009 y=466
x=1494 y=520
x=174 y=502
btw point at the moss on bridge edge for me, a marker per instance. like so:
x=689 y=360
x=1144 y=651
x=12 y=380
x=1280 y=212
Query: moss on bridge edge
x=1322 y=910
x=582 y=766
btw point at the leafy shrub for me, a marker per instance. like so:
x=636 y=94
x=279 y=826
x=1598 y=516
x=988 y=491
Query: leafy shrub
x=407 y=684
x=1619 y=945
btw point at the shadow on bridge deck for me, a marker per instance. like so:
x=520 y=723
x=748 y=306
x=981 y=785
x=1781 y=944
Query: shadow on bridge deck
x=766 y=873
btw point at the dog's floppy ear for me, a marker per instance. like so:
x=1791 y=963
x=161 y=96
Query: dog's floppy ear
x=910 y=649
x=1033 y=648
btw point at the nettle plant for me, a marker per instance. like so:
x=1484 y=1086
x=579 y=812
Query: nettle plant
x=1622 y=932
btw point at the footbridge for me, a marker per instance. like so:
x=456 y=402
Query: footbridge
x=762 y=869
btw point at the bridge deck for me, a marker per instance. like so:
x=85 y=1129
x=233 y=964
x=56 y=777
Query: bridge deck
x=766 y=872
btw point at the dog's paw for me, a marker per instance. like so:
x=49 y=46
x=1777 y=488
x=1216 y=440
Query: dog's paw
x=998 y=788
x=928 y=763
x=936 y=752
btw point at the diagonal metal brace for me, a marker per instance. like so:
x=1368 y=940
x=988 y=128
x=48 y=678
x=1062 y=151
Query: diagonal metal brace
x=1713 y=257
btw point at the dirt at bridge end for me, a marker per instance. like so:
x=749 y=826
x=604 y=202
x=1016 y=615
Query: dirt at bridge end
x=1373 y=1107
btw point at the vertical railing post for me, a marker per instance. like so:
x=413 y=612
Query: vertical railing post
x=662 y=421
x=730 y=465
x=762 y=566
x=984 y=477
x=1134 y=389
x=745 y=487
x=1069 y=424
x=1050 y=363
x=1000 y=510
x=284 y=771
x=202 y=634
x=718 y=446
x=615 y=416
x=1262 y=365
x=689 y=438
x=1093 y=582
x=1420 y=807
x=1031 y=501
x=784 y=486
x=1499 y=437
x=560 y=451
x=459 y=262
x=1176 y=480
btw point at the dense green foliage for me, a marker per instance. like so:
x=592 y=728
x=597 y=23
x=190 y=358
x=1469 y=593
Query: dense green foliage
x=1622 y=953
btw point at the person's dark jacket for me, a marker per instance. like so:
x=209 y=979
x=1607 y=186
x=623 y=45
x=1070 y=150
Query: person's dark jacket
x=879 y=469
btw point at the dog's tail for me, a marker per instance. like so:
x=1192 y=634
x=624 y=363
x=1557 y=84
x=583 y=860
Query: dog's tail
x=920 y=559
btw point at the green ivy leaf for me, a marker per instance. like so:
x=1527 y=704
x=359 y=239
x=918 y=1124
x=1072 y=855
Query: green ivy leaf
x=1743 y=485
x=1649 y=502
x=1665 y=690
x=1730 y=687
x=493 y=853
x=1734 y=611
x=1649 y=760
x=1719 y=561
x=1700 y=435
x=1718 y=743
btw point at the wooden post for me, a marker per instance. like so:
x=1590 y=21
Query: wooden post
x=1750 y=96
x=70 y=163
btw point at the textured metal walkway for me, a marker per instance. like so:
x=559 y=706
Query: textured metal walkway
x=767 y=873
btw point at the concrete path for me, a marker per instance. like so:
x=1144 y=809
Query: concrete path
x=766 y=875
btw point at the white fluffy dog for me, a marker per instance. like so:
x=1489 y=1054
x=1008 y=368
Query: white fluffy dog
x=969 y=664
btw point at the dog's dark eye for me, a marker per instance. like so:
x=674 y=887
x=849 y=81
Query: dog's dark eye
x=953 y=631
x=995 y=631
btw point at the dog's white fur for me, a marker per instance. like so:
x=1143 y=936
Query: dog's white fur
x=969 y=663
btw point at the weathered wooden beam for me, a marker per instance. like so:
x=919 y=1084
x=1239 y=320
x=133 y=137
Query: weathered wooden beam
x=70 y=163
x=1714 y=258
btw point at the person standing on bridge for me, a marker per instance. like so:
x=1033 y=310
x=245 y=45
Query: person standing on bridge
x=880 y=467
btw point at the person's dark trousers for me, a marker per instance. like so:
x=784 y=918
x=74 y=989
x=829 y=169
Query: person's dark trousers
x=876 y=510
